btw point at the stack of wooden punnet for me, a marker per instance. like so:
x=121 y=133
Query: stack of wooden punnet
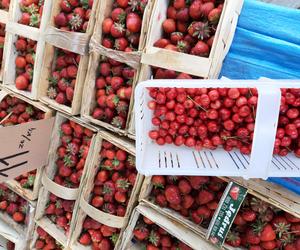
x=80 y=61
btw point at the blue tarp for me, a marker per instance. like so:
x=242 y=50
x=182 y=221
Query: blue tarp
x=266 y=44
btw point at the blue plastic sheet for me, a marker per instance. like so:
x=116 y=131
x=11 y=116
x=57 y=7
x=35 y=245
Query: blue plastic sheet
x=266 y=44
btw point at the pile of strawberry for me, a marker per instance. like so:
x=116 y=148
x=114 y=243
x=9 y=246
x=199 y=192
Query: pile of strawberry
x=16 y=111
x=204 y=117
x=74 y=15
x=13 y=204
x=45 y=241
x=27 y=180
x=72 y=153
x=10 y=245
x=32 y=11
x=60 y=211
x=153 y=237
x=4 y=4
x=97 y=235
x=63 y=77
x=288 y=133
x=259 y=226
x=190 y=26
x=114 y=87
x=2 y=38
x=114 y=181
x=26 y=49
x=159 y=73
x=195 y=197
x=121 y=31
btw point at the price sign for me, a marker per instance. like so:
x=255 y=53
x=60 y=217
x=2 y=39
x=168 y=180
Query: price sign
x=24 y=147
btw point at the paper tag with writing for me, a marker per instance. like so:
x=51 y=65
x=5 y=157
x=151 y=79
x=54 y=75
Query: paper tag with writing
x=24 y=147
x=225 y=214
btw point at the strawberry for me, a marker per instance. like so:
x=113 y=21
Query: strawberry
x=205 y=197
x=141 y=233
x=85 y=239
x=172 y=194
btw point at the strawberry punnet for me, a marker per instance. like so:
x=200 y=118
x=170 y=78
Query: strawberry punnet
x=97 y=235
x=122 y=29
x=194 y=197
x=14 y=205
x=259 y=225
x=190 y=26
x=32 y=11
x=24 y=62
x=74 y=15
x=2 y=38
x=63 y=77
x=114 y=181
x=114 y=87
x=4 y=4
x=152 y=237
x=60 y=212
x=45 y=241
x=72 y=152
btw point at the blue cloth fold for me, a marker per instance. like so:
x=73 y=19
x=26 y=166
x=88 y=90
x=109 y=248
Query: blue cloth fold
x=266 y=44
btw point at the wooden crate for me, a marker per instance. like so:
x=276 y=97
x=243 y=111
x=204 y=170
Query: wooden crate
x=44 y=222
x=76 y=42
x=198 y=66
x=178 y=231
x=47 y=66
x=102 y=217
x=131 y=58
x=8 y=234
x=50 y=169
x=271 y=193
x=89 y=101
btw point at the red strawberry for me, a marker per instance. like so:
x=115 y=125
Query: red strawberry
x=205 y=197
x=172 y=194
x=234 y=193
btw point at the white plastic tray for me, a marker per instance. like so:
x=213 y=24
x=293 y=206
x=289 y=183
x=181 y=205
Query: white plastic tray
x=152 y=159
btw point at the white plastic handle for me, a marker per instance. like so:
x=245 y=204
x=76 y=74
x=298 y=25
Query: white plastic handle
x=267 y=114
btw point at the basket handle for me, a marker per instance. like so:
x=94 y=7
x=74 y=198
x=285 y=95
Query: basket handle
x=265 y=131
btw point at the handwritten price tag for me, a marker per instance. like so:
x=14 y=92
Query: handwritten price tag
x=24 y=147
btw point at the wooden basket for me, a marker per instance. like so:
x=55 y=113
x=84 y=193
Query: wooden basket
x=76 y=42
x=23 y=231
x=102 y=217
x=131 y=58
x=89 y=93
x=50 y=169
x=34 y=239
x=4 y=55
x=13 y=184
x=74 y=244
x=198 y=66
x=41 y=220
x=16 y=15
x=173 y=228
x=8 y=234
x=47 y=67
x=9 y=76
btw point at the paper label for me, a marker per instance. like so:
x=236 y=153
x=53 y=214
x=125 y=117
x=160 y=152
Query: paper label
x=24 y=147
x=225 y=214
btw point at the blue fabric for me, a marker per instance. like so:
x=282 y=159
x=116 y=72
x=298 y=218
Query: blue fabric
x=266 y=44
